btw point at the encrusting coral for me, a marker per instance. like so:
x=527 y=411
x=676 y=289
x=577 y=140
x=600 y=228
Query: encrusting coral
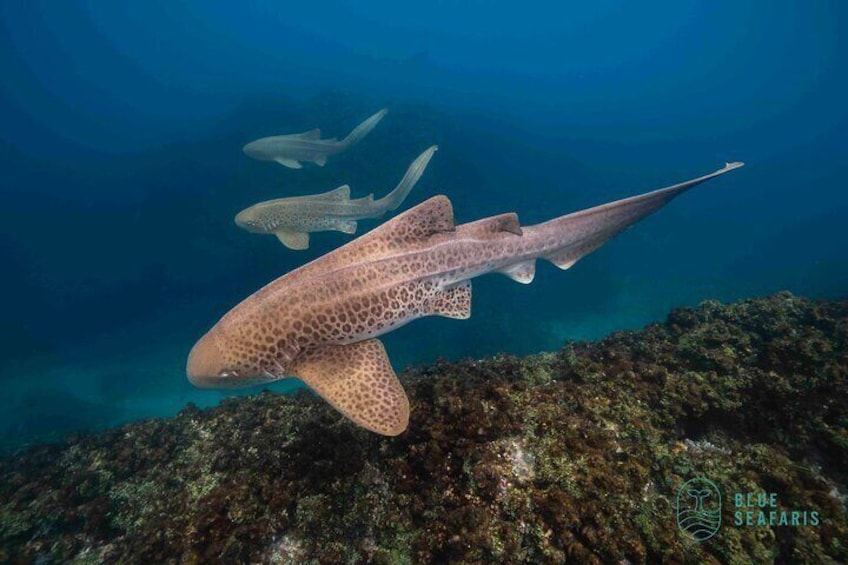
x=572 y=456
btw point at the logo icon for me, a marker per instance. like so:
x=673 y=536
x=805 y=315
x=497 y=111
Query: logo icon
x=699 y=509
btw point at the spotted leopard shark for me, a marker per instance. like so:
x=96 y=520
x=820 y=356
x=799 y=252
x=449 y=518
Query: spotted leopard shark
x=292 y=219
x=321 y=322
x=290 y=150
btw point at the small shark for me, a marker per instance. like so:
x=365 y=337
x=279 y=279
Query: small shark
x=293 y=219
x=320 y=322
x=290 y=150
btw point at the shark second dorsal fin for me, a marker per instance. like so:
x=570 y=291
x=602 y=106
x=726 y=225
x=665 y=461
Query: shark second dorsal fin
x=340 y=193
x=358 y=381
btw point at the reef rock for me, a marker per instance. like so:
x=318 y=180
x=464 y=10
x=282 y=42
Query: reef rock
x=576 y=456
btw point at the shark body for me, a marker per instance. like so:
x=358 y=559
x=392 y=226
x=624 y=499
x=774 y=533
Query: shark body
x=320 y=322
x=289 y=150
x=293 y=219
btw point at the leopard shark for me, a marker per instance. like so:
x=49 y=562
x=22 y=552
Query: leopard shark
x=321 y=322
x=289 y=150
x=292 y=219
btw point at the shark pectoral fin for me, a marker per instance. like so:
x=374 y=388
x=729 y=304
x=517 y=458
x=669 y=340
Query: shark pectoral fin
x=358 y=381
x=521 y=272
x=347 y=226
x=320 y=161
x=293 y=239
x=290 y=163
x=453 y=302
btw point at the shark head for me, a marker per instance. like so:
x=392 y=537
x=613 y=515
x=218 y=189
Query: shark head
x=254 y=149
x=248 y=219
x=209 y=367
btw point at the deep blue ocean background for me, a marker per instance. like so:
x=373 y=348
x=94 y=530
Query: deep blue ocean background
x=122 y=127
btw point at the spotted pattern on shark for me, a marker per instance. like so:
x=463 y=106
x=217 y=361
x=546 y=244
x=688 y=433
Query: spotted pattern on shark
x=416 y=264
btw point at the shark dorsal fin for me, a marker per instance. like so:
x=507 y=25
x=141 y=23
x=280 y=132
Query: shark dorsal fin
x=431 y=217
x=358 y=381
x=340 y=193
x=416 y=224
x=311 y=134
x=420 y=222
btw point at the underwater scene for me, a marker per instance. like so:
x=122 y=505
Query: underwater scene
x=446 y=282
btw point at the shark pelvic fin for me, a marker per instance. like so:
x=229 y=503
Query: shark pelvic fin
x=293 y=239
x=521 y=272
x=320 y=161
x=454 y=302
x=358 y=381
x=290 y=163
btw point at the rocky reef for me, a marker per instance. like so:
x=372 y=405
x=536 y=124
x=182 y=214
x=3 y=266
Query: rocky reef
x=570 y=456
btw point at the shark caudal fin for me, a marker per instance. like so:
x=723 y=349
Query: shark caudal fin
x=576 y=235
x=363 y=129
x=358 y=381
x=395 y=198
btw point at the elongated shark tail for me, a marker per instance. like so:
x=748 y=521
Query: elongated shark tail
x=395 y=198
x=363 y=129
x=570 y=237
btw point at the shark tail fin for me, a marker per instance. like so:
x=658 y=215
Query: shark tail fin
x=578 y=234
x=363 y=129
x=395 y=198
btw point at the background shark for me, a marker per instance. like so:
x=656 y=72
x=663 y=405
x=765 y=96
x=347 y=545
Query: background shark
x=320 y=322
x=293 y=219
x=289 y=150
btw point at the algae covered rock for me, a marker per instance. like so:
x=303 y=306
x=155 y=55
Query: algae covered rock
x=576 y=456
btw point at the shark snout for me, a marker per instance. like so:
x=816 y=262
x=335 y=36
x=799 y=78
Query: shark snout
x=205 y=367
x=242 y=219
x=251 y=150
x=246 y=219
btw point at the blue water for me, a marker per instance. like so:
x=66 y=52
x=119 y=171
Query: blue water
x=122 y=125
